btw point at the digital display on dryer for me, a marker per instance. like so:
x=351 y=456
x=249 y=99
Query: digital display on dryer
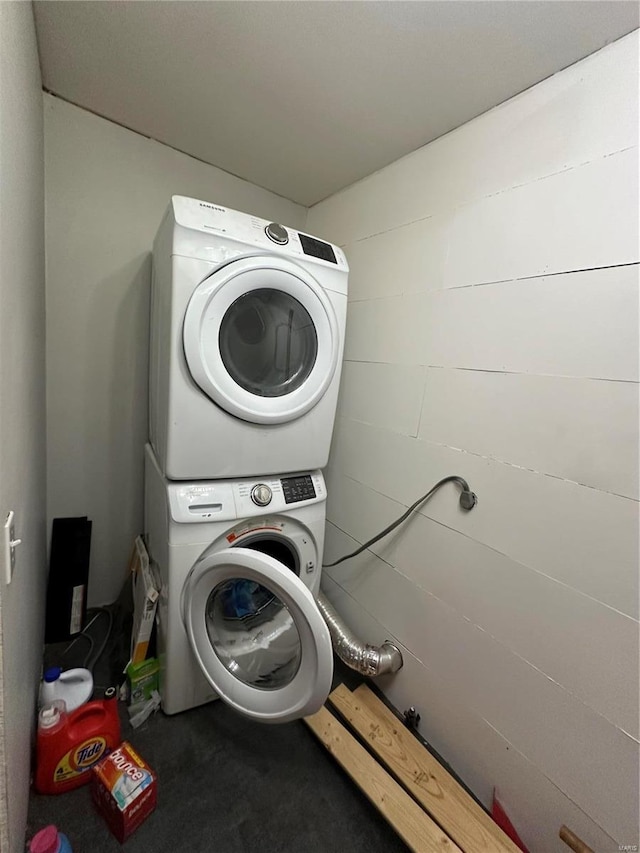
x=317 y=249
x=297 y=489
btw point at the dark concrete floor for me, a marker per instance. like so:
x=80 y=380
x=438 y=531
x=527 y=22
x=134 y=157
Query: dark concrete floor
x=225 y=783
x=228 y=785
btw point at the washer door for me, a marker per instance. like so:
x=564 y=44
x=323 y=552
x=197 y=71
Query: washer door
x=258 y=635
x=261 y=339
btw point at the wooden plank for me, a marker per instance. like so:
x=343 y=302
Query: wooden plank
x=420 y=773
x=415 y=827
x=572 y=841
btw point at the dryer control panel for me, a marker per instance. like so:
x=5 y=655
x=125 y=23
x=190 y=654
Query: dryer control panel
x=251 y=230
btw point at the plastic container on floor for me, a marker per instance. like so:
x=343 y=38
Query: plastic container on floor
x=68 y=745
x=75 y=686
x=49 y=840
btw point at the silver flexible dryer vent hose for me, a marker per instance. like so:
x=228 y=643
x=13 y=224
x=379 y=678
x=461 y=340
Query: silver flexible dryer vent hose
x=365 y=659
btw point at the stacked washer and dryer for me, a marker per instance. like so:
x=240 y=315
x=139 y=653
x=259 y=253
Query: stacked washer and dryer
x=247 y=335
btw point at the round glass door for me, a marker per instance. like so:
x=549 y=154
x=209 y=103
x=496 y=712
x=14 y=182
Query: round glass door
x=261 y=339
x=253 y=634
x=268 y=342
x=258 y=635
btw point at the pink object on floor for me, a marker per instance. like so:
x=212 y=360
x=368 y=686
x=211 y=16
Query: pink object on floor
x=49 y=840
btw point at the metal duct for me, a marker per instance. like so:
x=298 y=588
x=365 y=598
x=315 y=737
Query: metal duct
x=364 y=658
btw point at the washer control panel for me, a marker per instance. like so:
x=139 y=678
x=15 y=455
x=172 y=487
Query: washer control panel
x=261 y=494
x=224 y=500
x=299 y=488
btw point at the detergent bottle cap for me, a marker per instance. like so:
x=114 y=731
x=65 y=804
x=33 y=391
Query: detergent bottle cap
x=45 y=841
x=52 y=674
x=51 y=714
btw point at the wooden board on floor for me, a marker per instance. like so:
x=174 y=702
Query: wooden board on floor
x=417 y=830
x=420 y=773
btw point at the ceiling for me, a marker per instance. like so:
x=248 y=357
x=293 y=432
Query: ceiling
x=304 y=98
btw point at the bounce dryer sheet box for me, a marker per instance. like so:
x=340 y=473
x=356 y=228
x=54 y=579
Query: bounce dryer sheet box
x=145 y=598
x=124 y=790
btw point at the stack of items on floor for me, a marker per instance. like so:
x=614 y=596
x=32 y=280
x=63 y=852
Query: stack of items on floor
x=141 y=686
x=79 y=738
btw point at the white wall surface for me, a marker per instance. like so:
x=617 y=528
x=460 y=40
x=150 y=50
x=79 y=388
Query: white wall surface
x=493 y=333
x=106 y=192
x=22 y=407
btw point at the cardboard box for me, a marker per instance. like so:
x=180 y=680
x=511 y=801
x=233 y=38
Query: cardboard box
x=145 y=599
x=142 y=680
x=124 y=790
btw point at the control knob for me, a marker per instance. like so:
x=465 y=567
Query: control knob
x=261 y=494
x=277 y=233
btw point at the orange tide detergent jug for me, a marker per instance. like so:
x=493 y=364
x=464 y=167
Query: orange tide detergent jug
x=68 y=745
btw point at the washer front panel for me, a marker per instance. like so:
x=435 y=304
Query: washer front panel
x=261 y=310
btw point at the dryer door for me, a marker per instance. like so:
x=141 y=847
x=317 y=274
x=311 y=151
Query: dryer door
x=261 y=339
x=258 y=635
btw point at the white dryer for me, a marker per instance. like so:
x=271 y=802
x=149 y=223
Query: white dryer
x=239 y=563
x=247 y=337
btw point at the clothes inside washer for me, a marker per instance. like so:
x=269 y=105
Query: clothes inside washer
x=242 y=598
x=262 y=648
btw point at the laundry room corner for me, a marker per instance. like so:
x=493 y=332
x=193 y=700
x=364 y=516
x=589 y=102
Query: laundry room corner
x=106 y=191
x=319 y=426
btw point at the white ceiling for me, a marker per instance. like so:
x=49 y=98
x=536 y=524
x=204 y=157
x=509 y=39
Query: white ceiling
x=305 y=98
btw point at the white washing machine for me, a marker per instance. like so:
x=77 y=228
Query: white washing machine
x=247 y=337
x=239 y=563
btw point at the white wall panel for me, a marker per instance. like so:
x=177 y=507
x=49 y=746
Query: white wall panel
x=406 y=260
x=513 y=696
x=585 y=112
x=358 y=509
x=575 y=324
x=582 y=644
x=578 y=429
x=22 y=409
x=386 y=330
x=478 y=752
x=387 y=395
x=580 y=536
x=578 y=642
x=582 y=218
x=503 y=257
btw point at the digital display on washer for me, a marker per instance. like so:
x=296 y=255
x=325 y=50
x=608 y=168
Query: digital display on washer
x=298 y=489
x=318 y=249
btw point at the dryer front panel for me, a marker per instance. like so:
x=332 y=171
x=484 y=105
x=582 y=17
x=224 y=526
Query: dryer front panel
x=261 y=339
x=257 y=634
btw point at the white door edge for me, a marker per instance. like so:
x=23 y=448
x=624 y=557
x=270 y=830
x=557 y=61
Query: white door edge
x=310 y=686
